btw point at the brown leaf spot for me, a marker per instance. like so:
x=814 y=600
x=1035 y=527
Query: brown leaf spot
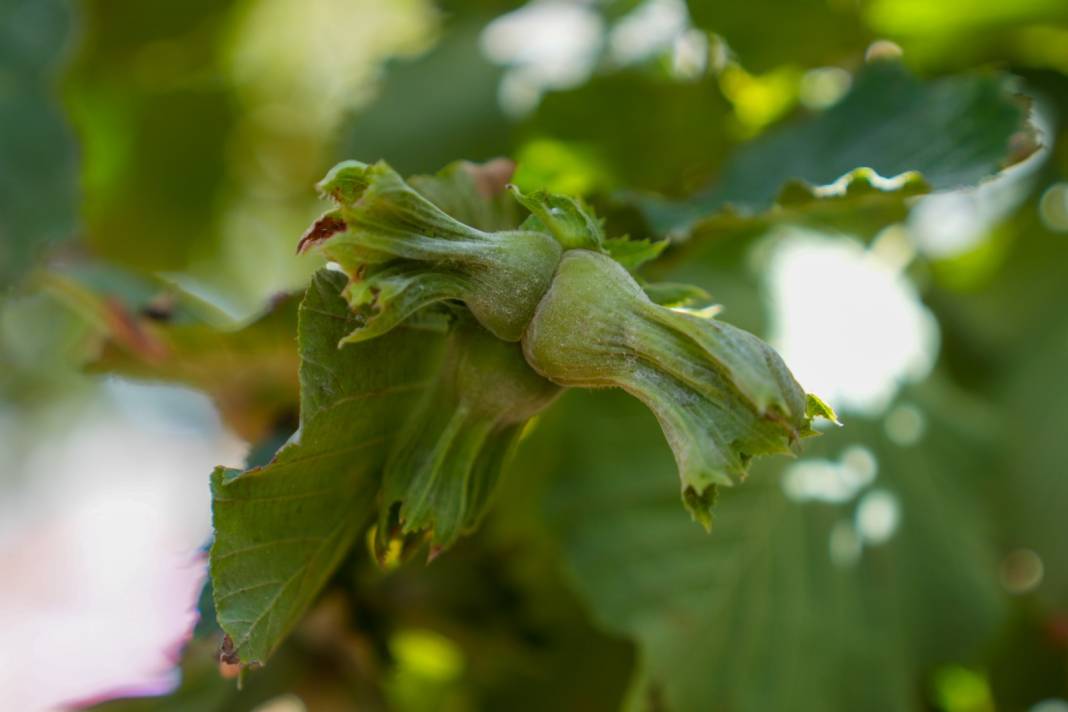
x=323 y=228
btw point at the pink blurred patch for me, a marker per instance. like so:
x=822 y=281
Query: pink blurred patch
x=101 y=561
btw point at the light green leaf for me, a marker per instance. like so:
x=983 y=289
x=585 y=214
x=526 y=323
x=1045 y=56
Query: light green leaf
x=632 y=254
x=678 y=295
x=570 y=220
x=905 y=134
x=281 y=530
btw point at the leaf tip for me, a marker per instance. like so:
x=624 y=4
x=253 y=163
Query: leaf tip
x=816 y=407
x=699 y=504
x=345 y=182
x=222 y=475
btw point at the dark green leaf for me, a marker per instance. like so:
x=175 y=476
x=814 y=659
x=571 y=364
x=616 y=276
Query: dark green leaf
x=767 y=33
x=434 y=109
x=281 y=529
x=38 y=175
x=650 y=131
x=913 y=136
x=764 y=613
x=153 y=185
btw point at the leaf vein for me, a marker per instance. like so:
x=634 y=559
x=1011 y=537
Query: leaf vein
x=265 y=544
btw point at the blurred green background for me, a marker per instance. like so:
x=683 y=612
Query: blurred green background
x=156 y=170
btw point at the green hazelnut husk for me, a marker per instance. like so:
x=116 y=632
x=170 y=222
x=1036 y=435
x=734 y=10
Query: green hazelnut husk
x=560 y=287
x=720 y=394
x=403 y=253
x=446 y=464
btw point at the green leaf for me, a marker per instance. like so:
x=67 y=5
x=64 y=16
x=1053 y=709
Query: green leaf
x=424 y=117
x=653 y=132
x=767 y=33
x=678 y=295
x=721 y=395
x=568 y=219
x=905 y=135
x=1033 y=512
x=1006 y=336
x=38 y=171
x=776 y=609
x=153 y=187
x=962 y=33
x=632 y=254
x=281 y=529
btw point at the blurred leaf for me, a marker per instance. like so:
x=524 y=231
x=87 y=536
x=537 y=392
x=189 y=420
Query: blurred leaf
x=433 y=110
x=461 y=9
x=1030 y=658
x=649 y=131
x=632 y=254
x=1008 y=339
x=38 y=174
x=1037 y=497
x=41 y=363
x=203 y=688
x=250 y=372
x=281 y=529
x=1012 y=314
x=962 y=33
x=473 y=193
x=771 y=610
x=959 y=16
x=1006 y=336
x=938 y=135
x=154 y=118
x=527 y=644
x=560 y=167
x=767 y=33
